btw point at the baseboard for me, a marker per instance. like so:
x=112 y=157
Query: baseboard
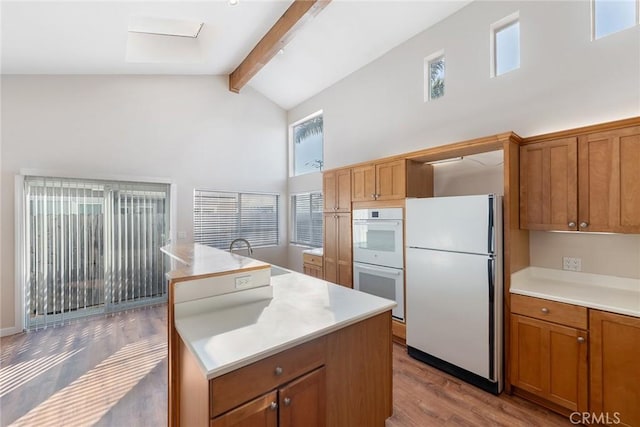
x=9 y=331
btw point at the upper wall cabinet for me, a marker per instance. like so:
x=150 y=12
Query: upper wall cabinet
x=549 y=185
x=336 y=186
x=609 y=181
x=590 y=182
x=391 y=180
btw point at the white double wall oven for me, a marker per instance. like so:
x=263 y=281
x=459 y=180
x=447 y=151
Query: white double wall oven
x=378 y=266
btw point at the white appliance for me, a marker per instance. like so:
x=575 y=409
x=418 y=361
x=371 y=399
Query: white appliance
x=378 y=254
x=454 y=286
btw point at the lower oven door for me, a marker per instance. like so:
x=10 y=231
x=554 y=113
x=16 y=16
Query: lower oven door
x=381 y=281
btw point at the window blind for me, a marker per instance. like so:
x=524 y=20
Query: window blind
x=307 y=219
x=92 y=246
x=220 y=217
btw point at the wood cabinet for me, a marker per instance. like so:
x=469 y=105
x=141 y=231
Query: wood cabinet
x=338 y=266
x=323 y=382
x=549 y=359
x=301 y=402
x=609 y=181
x=391 y=180
x=615 y=366
x=588 y=182
x=336 y=190
x=549 y=185
x=312 y=265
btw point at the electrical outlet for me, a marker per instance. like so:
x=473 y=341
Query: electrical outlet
x=182 y=235
x=571 y=263
x=243 y=282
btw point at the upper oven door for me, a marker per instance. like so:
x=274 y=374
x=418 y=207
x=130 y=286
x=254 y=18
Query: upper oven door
x=378 y=241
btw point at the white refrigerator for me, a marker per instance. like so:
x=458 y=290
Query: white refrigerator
x=454 y=286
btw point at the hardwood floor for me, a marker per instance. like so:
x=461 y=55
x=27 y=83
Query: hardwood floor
x=112 y=371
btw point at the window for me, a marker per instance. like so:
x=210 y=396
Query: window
x=219 y=217
x=307 y=138
x=611 y=16
x=306 y=216
x=505 y=45
x=434 y=76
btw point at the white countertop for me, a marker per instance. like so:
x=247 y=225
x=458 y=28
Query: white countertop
x=609 y=293
x=314 y=251
x=302 y=308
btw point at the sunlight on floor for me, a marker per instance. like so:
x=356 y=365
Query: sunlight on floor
x=89 y=398
x=14 y=376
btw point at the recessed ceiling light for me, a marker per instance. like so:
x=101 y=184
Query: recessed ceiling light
x=164 y=27
x=233 y=2
x=281 y=51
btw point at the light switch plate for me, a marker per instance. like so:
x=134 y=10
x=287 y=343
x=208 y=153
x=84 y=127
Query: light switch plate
x=571 y=263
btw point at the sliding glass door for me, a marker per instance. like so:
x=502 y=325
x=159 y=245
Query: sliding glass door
x=92 y=247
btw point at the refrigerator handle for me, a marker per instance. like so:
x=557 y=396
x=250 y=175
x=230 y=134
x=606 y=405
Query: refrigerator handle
x=490 y=231
x=492 y=338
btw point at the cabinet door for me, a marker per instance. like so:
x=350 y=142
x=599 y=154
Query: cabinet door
x=330 y=244
x=260 y=412
x=549 y=361
x=303 y=401
x=343 y=190
x=363 y=183
x=549 y=185
x=609 y=181
x=345 y=259
x=615 y=366
x=312 y=270
x=329 y=195
x=391 y=180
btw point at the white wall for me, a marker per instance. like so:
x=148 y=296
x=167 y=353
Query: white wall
x=190 y=129
x=566 y=80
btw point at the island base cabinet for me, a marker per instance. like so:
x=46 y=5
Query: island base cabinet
x=343 y=379
x=615 y=366
x=300 y=403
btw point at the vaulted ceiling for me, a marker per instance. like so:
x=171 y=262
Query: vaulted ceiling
x=91 y=37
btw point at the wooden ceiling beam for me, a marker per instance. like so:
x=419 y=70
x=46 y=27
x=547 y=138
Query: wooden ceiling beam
x=276 y=38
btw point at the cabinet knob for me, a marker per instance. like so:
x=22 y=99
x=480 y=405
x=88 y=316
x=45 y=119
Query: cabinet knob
x=287 y=401
x=584 y=224
x=273 y=406
x=373 y=196
x=581 y=340
x=545 y=310
x=572 y=224
x=278 y=370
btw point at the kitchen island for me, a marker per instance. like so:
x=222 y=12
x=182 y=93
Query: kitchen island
x=298 y=351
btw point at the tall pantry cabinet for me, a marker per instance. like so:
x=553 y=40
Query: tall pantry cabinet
x=338 y=267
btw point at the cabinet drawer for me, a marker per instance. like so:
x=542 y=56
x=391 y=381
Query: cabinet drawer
x=237 y=387
x=551 y=311
x=312 y=259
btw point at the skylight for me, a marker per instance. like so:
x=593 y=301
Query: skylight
x=164 y=27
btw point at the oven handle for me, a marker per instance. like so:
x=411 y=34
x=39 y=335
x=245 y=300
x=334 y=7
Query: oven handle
x=376 y=222
x=389 y=271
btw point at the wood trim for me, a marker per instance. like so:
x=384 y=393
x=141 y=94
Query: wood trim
x=282 y=32
x=440 y=152
x=632 y=121
x=378 y=204
x=399 y=330
x=541 y=401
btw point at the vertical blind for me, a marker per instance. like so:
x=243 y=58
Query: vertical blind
x=306 y=214
x=220 y=217
x=91 y=246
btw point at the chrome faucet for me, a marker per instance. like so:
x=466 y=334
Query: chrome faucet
x=249 y=250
